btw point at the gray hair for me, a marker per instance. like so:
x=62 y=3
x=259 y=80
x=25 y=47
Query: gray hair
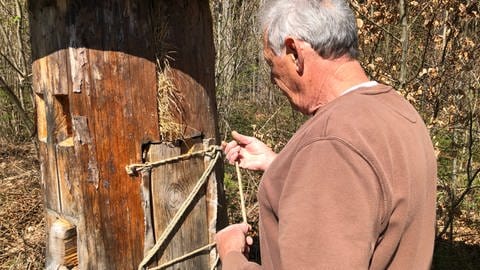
x=329 y=26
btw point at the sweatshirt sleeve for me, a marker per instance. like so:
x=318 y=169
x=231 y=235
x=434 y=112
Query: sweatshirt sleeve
x=329 y=209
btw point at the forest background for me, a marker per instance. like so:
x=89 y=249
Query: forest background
x=427 y=50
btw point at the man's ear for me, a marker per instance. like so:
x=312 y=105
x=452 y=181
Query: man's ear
x=293 y=48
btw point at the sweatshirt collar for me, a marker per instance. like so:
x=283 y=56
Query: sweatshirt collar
x=358 y=86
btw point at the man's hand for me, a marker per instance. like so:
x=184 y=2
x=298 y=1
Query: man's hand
x=250 y=153
x=233 y=238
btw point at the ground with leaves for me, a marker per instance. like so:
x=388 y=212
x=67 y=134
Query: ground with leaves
x=22 y=225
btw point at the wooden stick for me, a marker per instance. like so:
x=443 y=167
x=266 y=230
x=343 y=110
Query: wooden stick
x=240 y=190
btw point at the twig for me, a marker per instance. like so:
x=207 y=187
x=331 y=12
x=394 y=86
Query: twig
x=15 y=177
x=20 y=220
x=357 y=8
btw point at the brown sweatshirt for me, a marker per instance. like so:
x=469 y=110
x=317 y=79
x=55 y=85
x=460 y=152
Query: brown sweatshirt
x=354 y=188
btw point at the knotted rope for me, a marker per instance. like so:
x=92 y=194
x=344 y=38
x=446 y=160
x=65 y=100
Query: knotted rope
x=181 y=258
x=134 y=168
x=212 y=151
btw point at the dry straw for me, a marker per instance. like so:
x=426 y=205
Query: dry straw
x=170 y=99
x=170 y=111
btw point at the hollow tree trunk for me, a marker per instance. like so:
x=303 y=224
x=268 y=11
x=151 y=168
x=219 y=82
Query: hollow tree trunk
x=96 y=67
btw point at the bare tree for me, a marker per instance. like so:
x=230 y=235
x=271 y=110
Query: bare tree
x=15 y=69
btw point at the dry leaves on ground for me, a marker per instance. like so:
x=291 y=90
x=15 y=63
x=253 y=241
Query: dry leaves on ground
x=22 y=225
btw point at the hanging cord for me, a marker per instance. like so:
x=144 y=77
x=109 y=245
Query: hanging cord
x=213 y=151
x=240 y=191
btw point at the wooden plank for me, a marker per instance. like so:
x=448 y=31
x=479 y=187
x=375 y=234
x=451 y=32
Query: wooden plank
x=40 y=75
x=50 y=219
x=47 y=151
x=83 y=137
x=214 y=195
x=171 y=184
x=67 y=180
x=58 y=72
x=48 y=177
x=41 y=118
x=77 y=62
x=55 y=129
x=149 y=241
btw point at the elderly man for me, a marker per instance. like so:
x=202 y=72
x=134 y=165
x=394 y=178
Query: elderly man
x=354 y=188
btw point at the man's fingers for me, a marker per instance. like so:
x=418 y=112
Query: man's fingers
x=229 y=146
x=232 y=154
x=249 y=240
x=232 y=158
x=233 y=238
x=242 y=227
x=241 y=139
x=245 y=227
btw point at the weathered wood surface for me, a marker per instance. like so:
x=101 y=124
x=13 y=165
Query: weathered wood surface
x=189 y=40
x=63 y=243
x=94 y=74
x=79 y=49
x=171 y=184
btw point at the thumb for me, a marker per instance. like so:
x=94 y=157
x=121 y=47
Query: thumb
x=242 y=139
x=245 y=227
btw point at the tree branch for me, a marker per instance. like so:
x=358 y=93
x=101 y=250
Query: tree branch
x=14 y=99
x=11 y=64
x=357 y=9
x=403 y=9
x=21 y=44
